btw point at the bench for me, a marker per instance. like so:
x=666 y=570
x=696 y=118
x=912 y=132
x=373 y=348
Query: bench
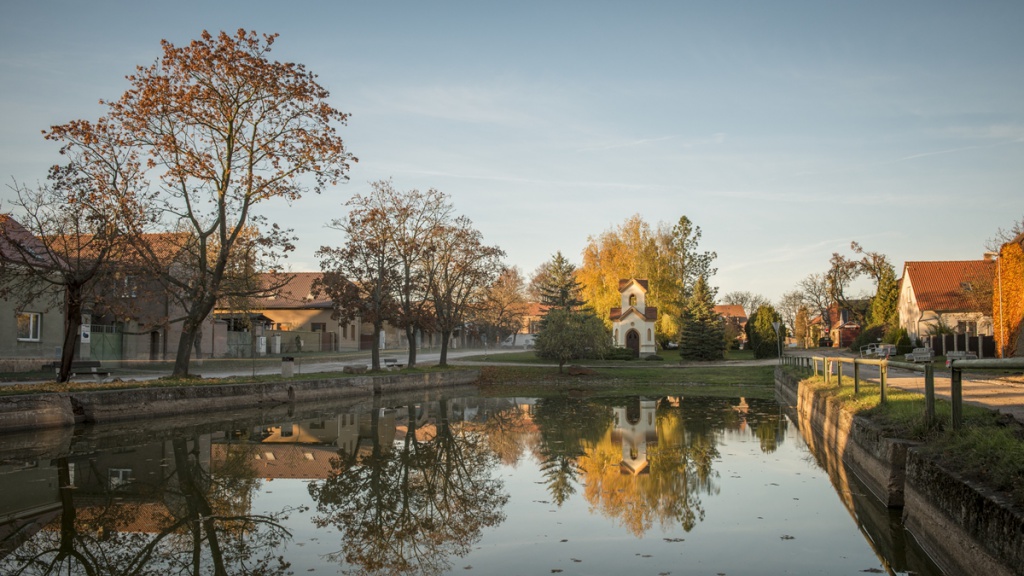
x=877 y=350
x=89 y=367
x=961 y=355
x=920 y=355
x=391 y=363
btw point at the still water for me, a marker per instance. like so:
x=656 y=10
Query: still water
x=440 y=484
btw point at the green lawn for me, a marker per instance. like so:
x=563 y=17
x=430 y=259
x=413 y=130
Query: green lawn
x=630 y=378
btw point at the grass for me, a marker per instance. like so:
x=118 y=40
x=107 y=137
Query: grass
x=636 y=378
x=988 y=448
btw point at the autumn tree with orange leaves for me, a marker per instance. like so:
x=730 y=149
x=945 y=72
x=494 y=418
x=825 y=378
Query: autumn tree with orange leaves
x=221 y=128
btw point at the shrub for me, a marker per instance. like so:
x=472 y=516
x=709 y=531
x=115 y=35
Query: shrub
x=654 y=358
x=870 y=335
x=620 y=354
x=901 y=339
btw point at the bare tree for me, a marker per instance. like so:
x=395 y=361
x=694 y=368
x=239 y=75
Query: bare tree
x=748 y=300
x=460 y=265
x=503 y=305
x=223 y=129
x=414 y=217
x=1004 y=235
x=68 y=234
x=362 y=276
x=816 y=293
x=789 y=306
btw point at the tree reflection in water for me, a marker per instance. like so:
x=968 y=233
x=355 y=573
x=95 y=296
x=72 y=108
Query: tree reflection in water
x=413 y=507
x=188 y=521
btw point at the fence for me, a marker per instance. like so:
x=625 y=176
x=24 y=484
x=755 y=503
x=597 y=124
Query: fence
x=810 y=363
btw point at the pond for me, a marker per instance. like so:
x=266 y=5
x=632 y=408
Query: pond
x=443 y=484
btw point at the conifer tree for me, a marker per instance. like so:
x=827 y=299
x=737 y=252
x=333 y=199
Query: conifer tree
x=702 y=332
x=555 y=282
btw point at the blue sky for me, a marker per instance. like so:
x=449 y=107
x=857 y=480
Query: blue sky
x=783 y=129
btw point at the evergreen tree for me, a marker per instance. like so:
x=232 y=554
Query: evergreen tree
x=556 y=285
x=761 y=333
x=885 y=305
x=702 y=332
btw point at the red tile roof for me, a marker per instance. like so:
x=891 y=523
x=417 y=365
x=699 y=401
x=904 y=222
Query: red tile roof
x=731 y=311
x=297 y=293
x=536 y=309
x=944 y=286
x=625 y=282
x=650 y=313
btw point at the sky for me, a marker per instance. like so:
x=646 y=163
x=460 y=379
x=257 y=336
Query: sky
x=784 y=130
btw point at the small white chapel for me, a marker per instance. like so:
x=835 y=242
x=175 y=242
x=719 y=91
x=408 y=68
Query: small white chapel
x=633 y=321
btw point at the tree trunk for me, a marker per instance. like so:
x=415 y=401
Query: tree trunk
x=72 y=324
x=446 y=335
x=375 y=348
x=190 y=329
x=184 y=353
x=410 y=335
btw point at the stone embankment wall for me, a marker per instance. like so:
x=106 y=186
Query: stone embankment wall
x=41 y=411
x=964 y=528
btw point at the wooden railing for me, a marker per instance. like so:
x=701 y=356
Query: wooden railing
x=830 y=363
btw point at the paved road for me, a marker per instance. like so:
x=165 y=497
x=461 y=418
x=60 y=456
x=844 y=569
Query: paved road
x=1005 y=395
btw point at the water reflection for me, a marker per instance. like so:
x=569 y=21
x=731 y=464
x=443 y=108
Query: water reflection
x=145 y=509
x=410 y=486
x=412 y=505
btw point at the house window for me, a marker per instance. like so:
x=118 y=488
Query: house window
x=648 y=334
x=119 y=477
x=318 y=327
x=632 y=299
x=29 y=326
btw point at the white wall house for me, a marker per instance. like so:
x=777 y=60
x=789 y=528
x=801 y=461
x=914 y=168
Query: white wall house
x=955 y=293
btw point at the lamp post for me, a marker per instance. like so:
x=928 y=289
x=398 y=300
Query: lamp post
x=1002 y=326
x=776 y=325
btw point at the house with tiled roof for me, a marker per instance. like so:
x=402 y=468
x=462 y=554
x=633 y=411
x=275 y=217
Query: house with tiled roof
x=736 y=317
x=954 y=293
x=32 y=329
x=633 y=321
x=294 y=316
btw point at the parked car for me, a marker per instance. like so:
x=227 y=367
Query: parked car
x=825 y=342
x=523 y=341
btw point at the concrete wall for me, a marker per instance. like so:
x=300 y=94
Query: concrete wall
x=41 y=411
x=963 y=528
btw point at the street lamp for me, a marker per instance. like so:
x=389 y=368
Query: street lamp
x=776 y=325
x=1002 y=326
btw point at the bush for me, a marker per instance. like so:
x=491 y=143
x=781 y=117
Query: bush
x=870 y=335
x=620 y=354
x=901 y=339
x=654 y=358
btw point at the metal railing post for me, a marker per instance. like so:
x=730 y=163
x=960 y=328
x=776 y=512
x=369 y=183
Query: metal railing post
x=883 y=370
x=929 y=395
x=957 y=396
x=839 y=372
x=856 y=377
